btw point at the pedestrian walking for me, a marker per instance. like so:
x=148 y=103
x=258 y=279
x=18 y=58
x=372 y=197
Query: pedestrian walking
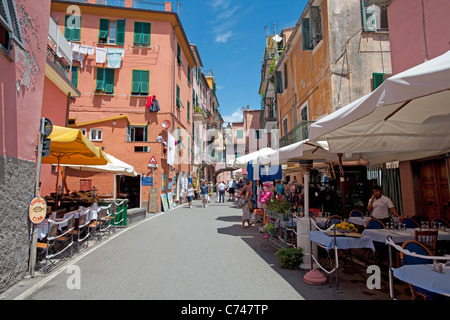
x=204 y=190
x=246 y=193
x=190 y=194
x=231 y=187
x=222 y=188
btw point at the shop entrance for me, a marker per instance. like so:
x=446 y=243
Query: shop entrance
x=129 y=188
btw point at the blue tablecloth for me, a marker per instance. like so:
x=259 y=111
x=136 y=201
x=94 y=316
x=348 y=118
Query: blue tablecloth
x=343 y=242
x=425 y=277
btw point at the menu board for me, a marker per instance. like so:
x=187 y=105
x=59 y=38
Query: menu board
x=169 y=197
x=165 y=202
x=153 y=201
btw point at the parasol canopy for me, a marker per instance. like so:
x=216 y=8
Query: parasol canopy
x=406 y=118
x=114 y=166
x=70 y=146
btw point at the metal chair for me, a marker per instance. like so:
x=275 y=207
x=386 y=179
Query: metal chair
x=419 y=248
x=356 y=213
x=332 y=220
x=374 y=224
x=409 y=223
x=81 y=231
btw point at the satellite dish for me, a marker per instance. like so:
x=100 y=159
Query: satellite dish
x=166 y=124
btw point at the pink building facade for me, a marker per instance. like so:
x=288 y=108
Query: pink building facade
x=419 y=32
x=22 y=82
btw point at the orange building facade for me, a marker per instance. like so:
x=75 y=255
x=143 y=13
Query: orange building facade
x=125 y=59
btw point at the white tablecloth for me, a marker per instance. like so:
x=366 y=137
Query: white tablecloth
x=398 y=236
x=43 y=228
x=361 y=221
x=425 y=277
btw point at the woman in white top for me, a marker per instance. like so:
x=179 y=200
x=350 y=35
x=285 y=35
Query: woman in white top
x=381 y=206
x=190 y=195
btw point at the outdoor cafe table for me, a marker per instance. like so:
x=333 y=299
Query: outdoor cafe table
x=423 y=276
x=342 y=242
x=398 y=236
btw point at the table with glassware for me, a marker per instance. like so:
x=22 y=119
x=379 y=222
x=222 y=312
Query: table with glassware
x=423 y=276
x=361 y=221
x=401 y=234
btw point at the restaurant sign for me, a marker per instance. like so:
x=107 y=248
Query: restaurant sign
x=37 y=210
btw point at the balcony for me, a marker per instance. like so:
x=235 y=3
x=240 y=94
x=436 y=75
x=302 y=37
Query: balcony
x=137 y=4
x=299 y=133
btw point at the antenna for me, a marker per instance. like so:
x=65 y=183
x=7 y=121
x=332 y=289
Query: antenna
x=179 y=7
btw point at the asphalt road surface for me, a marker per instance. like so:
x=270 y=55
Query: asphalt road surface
x=186 y=254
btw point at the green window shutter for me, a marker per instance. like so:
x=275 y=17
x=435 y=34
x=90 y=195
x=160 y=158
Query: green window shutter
x=146 y=133
x=109 y=81
x=189 y=111
x=279 y=82
x=146 y=31
x=75 y=76
x=306 y=33
x=145 y=82
x=136 y=82
x=100 y=86
x=189 y=74
x=178 y=97
x=378 y=79
x=179 y=55
x=120 y=39
x=368 y=17
x=137 y=33
x=68 y=31
x=103 y=31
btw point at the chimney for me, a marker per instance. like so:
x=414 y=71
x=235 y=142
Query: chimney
x=129 y=3
x=168 y=6
x=248 y=107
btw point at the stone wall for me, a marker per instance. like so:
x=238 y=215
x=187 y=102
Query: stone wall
x=16 y=190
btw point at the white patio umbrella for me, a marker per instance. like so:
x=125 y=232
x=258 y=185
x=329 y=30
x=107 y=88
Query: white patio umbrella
x=242 y=162
x=115 y=166
x=406 y=118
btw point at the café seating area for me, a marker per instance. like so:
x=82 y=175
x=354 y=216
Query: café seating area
x=65 y=233
x=371 y=235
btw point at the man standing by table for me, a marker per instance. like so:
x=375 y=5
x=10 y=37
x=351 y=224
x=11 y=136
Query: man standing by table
x=380 y=205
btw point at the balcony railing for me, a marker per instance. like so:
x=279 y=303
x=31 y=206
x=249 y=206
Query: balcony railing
x=137 y=4
x=299 y=133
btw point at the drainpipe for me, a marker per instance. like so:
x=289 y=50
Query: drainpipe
x=174 y=75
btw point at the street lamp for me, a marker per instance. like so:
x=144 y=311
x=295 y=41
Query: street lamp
x=94 y=194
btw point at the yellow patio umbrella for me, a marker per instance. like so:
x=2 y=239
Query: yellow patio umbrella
x=70 y=146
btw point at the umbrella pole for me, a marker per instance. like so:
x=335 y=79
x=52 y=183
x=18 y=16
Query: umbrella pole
x=343 y=187
x=447 y=157
x=56 y=188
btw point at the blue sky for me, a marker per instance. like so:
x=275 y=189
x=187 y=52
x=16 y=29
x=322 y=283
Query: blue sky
x=230 y=36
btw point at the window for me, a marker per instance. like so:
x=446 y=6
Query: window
x=140 y=82
x=95 y=135
x=257 y=134
x=374 y=18
x=105 y=81
x=312 y=29
x=137 y=133
x=179 y=104
x=285 y=126
x=279 y=81
x=11 y=28
x=142 y=31
x=378 y=79
x=112 y=32
x=72 y=30
x=188 y=111
x=189 y=74
x=5 y=41
x=180 y=63
x=239 y=134
x=285 y=76
x=75 y=76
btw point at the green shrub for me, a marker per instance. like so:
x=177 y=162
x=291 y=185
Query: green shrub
x=289 y=258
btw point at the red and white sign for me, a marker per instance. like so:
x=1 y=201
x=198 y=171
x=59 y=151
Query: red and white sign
x=153 y=160
x=37 y=210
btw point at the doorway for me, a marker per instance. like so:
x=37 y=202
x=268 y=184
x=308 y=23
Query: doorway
x=129 y=188
x=435 y=190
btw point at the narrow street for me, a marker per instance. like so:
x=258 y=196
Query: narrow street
x=186 y=254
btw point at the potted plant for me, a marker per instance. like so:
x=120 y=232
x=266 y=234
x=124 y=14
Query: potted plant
x=270 y=228
x=289 y=258
x=279 y=207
